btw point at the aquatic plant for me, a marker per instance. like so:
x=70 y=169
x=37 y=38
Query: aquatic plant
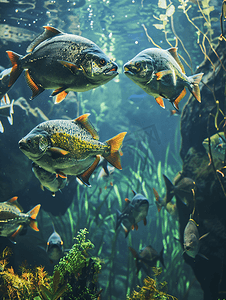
x=151 y=289
x=75 y=276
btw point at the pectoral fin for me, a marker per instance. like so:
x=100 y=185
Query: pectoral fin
x=163 y=73
x=58 y=151
x=72 y=67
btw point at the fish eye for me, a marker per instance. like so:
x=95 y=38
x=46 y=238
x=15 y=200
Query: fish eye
x=29 y=141
x=102 y=62
x=137 y=64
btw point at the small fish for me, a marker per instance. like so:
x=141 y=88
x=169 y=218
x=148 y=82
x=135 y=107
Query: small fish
x=54 y=247
x=174 y=112
x=134 y=212
x=12 y=218
x=147 y=258
x=183 y=189
x=192 y=239
x=217 y=144
x=70 y=147
x=6 y=110
x=63 y=62
x=161 y=74
x=50 y=181
x=4 y=81
x=171 y=208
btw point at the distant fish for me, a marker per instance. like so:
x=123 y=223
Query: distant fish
x=70 y=147
x=134 y=212
x=161 y=74
x=217 y=144
x=192 y=239
x=183 y=189
x=12 y=219
x=4 y=81
x=50 y=181
x=175 y=112
x=161 y=202
x=6 y=110
x=63 y=62
x=54 y=247
x=147 y=258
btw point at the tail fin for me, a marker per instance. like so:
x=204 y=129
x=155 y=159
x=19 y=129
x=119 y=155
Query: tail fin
x=161 y=257
x=115 y=144
x=194 y=89
x=16 y=70
x=169 y=189
x=33 y=214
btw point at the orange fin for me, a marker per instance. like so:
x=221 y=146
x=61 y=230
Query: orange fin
x=16 y=71
x=145 y=221
x=42 y=187
x=160 y=101
x=178 y=99
x=61 y=96
x=36 y=90
x=163 y=73
x=33 y=214
x=136 y=226
x=58 y=151
x=195 y=79
x=132 y=227
x=85 y=122
x=58 y=91
x=115 y=144
x=16 y=232
x=61 y=175
x=173 y=52
x=85 y=176
x=48 y=33
x=127 y=200
x=13 y=201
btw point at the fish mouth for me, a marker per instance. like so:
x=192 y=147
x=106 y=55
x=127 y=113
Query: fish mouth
x=111 y=71
x=128 y=71
x=23 y=145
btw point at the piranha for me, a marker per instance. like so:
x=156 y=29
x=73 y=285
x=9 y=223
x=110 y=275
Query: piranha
x=12 y=218
x=183 y=189
x=161 y=74
x=217 y=144
x=6 y=110
x=63 y=62
x=134 y=212
x=54 y=247
x=192 y=239
x=50 y=181
x=70 y=147
x=147 y=258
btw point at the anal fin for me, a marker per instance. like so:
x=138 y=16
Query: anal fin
x=179 y=98
x=36 y=89
x=160 y=101
x=84 y=177
x=60 y=97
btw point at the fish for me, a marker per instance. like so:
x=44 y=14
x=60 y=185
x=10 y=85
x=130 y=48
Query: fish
x=160 y=202
x=106 y=170
x=6 y=110
x=54 y=248
x=217 y=144
x=12 y=218
x=161 y=74
x=70 y=147
x=50 y=181
x=147 y=258
x=192 y=239
x=183 y=189
x=134 y=212
x=63 y=62
x=4 y=81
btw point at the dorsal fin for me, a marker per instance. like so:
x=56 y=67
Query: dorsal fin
x=173 y=52
x=84 y=121
x=48 y=33
x=13 y=201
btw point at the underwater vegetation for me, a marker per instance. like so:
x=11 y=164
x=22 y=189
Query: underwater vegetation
x=75 y=276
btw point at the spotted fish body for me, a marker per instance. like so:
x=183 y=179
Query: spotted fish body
x=48 y=180
x=63 y=62
x=69 y=147
x=217 y=144
x=160 y=74
x=12 y=219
